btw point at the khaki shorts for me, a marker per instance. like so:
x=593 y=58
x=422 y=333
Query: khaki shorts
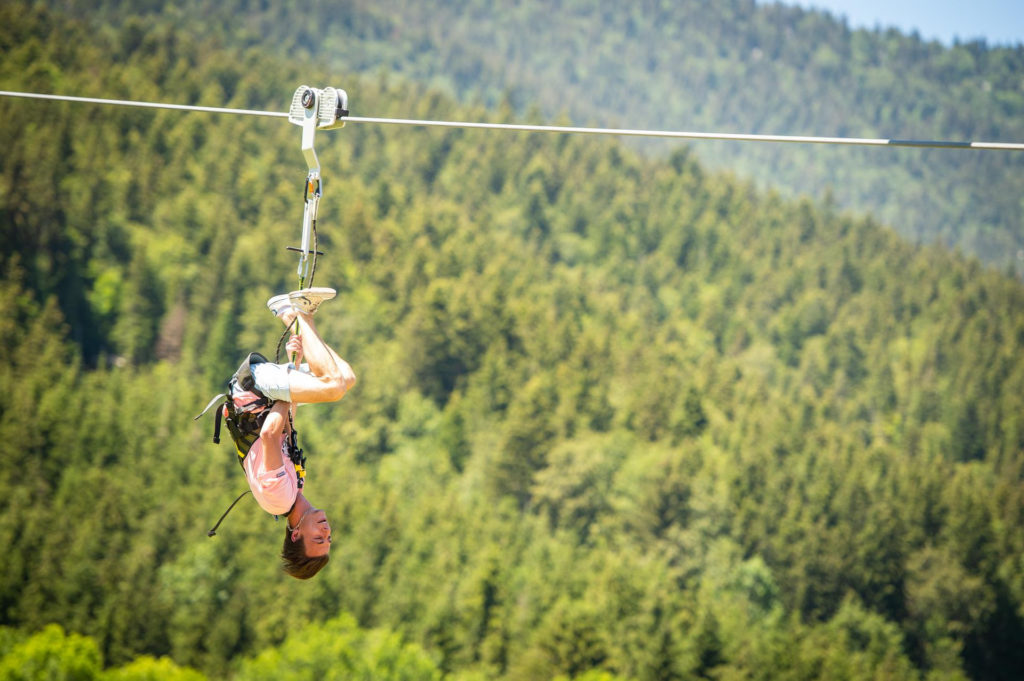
x=272 y=379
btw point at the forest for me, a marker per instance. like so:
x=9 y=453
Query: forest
x=726 y=66
x=620 y=416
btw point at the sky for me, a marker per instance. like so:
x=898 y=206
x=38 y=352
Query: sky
x=999 y=22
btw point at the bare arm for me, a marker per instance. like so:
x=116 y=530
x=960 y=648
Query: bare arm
x=272 y=433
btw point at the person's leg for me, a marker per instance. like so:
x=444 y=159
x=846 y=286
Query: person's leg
x=273 y=380
x=330 y=376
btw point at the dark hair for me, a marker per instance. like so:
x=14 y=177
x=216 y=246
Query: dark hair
x=294 y=560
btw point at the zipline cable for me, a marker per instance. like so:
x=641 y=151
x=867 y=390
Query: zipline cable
x=517 y=127
x=144 y=105
x=735 y=137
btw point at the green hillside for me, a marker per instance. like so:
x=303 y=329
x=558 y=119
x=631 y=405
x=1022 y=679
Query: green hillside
x=618 y=417
x=725 y=66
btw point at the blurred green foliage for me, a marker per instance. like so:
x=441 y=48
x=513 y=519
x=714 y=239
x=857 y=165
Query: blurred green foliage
x=617 y=418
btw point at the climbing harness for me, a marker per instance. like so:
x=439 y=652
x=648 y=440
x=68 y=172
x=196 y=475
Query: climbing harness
x=245 y=408
x=243 y=411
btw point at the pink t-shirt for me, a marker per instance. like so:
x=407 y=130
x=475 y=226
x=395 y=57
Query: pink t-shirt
x=275 y=490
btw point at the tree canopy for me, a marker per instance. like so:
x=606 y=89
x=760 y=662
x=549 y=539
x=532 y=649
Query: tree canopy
x=619 y=416
x=725 y=66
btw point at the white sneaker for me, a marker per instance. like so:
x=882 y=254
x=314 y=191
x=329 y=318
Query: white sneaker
x=307 y=300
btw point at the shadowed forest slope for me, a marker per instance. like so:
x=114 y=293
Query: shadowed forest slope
x=724 y=66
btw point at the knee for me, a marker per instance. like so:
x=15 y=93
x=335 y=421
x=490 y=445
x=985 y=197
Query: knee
x=337 y=386
x=346 y=378
x=335 y=391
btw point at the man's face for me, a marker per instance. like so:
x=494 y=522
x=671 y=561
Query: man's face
x=315 y=532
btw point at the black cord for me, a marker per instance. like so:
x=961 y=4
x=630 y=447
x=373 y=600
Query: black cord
x=213 y=530
x=280 y=342
x=312 y=273
x=316 y=249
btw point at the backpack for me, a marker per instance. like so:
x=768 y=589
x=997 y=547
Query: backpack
x=245 y=409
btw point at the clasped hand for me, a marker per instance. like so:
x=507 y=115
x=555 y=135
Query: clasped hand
x=294 y=347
